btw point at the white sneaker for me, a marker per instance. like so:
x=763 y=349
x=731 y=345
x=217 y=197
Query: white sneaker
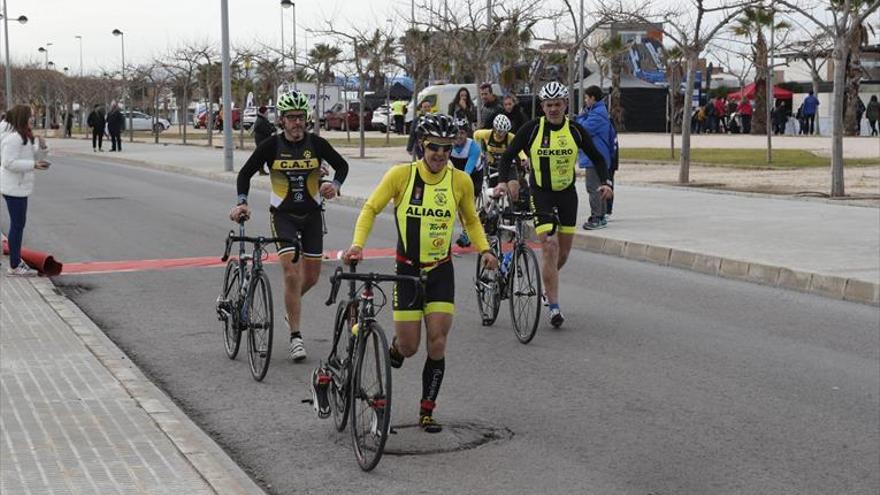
x=556 y=317
x=22 y=270
x=296 y=351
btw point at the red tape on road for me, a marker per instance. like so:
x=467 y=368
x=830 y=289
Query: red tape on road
x=95 y=267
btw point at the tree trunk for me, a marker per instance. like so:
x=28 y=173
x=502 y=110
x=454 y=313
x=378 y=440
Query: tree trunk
x=361 y=107
x=816 y=81
x=685 y=163
x=614 y=97
x=838 y=55
x=759 y=115
x=852 y=122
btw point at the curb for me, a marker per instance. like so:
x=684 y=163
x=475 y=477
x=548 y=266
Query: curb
x=208 y=459
x=831 y=286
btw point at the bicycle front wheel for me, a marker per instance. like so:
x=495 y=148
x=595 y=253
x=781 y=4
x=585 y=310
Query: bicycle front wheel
x=525 y=293
x=228 y=311
x=260 y=325
x=370 y=397
x=341 y=364
x=486 y=284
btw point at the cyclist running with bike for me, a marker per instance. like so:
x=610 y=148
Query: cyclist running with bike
x=427 y=196
x=552 y=143
x=294 y=158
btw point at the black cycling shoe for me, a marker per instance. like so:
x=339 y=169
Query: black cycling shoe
x=320 y=400
x=396 y=357
x=429 y=424
x=556 y=317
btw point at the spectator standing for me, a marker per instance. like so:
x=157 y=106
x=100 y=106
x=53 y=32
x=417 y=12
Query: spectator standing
x=20 y=155
x=811 y=107
x=511 y=109
x=462 y=107
x=780 y=116
x=398 y=115
x=97 y=121
x=491 y=105
x=68 y=125
x=745 y=114
x=873 y=114
x=115 y=126
x=596 y=121
x=711 y=117
x=860 y=113
x=413 y=146
x=263 y=129
x=720 y=115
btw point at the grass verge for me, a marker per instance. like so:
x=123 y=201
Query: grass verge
x=741 y=158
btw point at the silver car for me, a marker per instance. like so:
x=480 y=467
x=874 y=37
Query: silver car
x=143 y=122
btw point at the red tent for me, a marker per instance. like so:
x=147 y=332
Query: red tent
x=749 y=91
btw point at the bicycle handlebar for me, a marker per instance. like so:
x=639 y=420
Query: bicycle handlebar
x=339 y=275
x=297 y=247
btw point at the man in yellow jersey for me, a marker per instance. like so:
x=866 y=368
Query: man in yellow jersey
x=493 y=143
x=427 y=195
x=552 y=143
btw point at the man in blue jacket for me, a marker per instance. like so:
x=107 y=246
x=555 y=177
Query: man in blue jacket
x=596 y=121
x=811 y=107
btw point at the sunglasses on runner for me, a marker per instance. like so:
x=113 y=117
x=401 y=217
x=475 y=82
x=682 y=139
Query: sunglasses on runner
x=442 y=148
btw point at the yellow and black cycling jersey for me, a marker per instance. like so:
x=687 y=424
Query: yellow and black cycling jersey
x=492 y=147
x=553 y=154
x=294 y=171
x=426 y=204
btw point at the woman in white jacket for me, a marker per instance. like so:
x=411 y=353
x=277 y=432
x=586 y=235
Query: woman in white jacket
x=19 y=157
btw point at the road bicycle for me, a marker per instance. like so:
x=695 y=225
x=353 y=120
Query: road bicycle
x=518 y=278
x=359 y=366
x=245 y=301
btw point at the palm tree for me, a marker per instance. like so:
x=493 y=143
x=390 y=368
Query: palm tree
x=751 y=25
x=613 y=50
x=325 y=56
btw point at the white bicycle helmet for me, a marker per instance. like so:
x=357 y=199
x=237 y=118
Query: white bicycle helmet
x=501 y=123
x=553 y=91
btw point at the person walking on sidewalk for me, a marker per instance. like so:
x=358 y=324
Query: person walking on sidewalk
x=552 y=143
x=428 y=194
x=595 y=120
x=115 y=126
x=811 y=107
x=20 y=155
x=873 y=114
x=745 y=114
x=295 y=159
x=97 y=122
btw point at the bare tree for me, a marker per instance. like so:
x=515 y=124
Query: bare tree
x=691 y=30
x=847 y=18
x=182 y=63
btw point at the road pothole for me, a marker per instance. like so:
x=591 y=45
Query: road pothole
x=411 y=440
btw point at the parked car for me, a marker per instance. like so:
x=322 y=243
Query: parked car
x=218 y=122
x=340 y=118
x=382 y=119
x=250 y=116
x=143 y=122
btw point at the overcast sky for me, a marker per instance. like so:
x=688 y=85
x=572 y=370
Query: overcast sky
x=151 y=27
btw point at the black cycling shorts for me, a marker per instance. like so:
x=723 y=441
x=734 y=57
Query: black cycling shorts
x=439 y=293
x=308 y=228
x=566 y=204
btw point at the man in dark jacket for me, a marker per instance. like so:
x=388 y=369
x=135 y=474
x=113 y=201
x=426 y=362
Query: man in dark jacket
x=115 y=126
x=491 y=105
x=96 y=122
x=263 y=129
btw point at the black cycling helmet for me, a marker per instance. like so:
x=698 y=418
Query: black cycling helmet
x=437 y=125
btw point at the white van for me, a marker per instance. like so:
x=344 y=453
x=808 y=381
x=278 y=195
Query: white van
x=442 y=95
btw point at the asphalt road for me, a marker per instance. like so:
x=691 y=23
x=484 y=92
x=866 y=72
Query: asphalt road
x=662 y=381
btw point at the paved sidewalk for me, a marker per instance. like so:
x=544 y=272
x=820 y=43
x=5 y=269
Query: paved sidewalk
x=78 y=417
x=817 y=246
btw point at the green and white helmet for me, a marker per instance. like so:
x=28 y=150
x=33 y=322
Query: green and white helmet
x=293 y=100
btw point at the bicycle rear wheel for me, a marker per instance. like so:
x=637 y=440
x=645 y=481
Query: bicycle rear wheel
x=260 y=325
x=227 y=309
x=341 y=365
x=371 y=397
x=525 y=293
x=488 y=291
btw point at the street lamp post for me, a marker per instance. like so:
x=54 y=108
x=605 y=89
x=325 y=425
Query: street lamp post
x=285 y=4
x=80 y=38
x=282 y=35
x=226 y=74
x=121 y=35
x=45 y=51
x=22 y=19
